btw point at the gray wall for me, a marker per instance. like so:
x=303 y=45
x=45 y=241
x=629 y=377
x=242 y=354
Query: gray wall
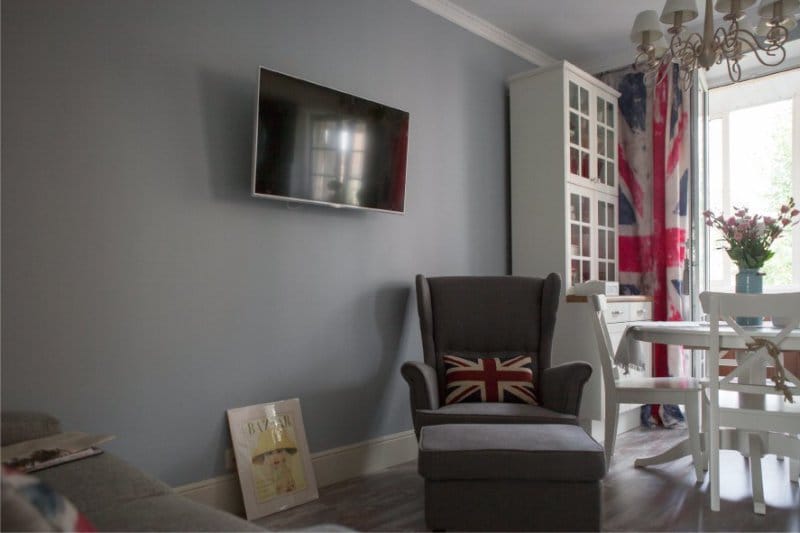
x=144 y=292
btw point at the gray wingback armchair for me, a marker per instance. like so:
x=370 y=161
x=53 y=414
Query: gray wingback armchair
x=498 y=317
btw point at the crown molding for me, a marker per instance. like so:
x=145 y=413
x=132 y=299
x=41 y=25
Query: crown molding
x=470 y=22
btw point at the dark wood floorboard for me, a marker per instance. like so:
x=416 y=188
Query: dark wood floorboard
x=664 y=498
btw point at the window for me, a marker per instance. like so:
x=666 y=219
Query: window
x=754 y=162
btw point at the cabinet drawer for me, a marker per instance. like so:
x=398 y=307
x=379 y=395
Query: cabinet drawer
x=618 y=312
x=641 y=311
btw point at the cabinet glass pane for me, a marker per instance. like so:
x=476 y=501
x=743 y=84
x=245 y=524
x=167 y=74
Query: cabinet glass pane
x=575 y=271
x=573 y=128
x=585 y=164
x=585 y=210
x=575 y=239
x=601 y=170
x=586 y=241
x=610 y=144
x=601 y=243
x=573 y=96
x=612 y=245
x=610 y=218
x=587 y=271
x=601 y=140
x=585 y=133
x=610 y=114
x=601 y=271
x=611 y=275
x=584 y=101
x=574 y=158
x=601 y=111
x=574 y=206
x=610 y=174
x=601 y=213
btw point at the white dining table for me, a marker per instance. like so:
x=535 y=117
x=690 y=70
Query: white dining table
x=696 y=335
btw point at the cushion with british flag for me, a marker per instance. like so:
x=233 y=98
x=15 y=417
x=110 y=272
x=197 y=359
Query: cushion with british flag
x=489 y=379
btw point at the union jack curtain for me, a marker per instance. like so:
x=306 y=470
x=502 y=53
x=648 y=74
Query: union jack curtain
x=489 y=379
x=654 y=164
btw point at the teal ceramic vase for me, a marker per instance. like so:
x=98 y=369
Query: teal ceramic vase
x=749 y=281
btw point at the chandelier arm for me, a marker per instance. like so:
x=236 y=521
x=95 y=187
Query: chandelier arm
x=734 y=69
x=769 y=55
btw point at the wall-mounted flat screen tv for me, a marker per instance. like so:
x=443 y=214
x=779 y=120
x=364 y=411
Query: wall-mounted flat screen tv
x=316 y=144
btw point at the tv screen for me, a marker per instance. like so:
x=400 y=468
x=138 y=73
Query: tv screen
x=316 y=144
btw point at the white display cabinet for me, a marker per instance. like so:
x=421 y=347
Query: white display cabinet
x=564 y=205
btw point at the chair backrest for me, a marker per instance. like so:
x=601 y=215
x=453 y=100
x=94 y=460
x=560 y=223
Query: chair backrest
x=487 y=316
x=604 y=344
x=764 y=344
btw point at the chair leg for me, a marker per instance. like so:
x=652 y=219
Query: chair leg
x=612 y=419
x=756 y=453
x=713 y=459
x=704 y=425
x=693 y=421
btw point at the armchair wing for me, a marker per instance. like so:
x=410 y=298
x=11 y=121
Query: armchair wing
x=562 y=387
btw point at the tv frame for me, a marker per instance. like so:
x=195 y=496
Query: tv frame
x=335 y=205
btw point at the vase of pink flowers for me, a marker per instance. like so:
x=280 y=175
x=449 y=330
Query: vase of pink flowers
x=748 y=239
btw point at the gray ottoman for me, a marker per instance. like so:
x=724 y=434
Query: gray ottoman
x=511 y=477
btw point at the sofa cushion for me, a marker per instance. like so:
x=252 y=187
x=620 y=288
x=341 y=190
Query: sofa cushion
x=492 y=413
x=168 y=512
x=19 y=426
x=100 y=482
x=489 y=379
x=543 y=452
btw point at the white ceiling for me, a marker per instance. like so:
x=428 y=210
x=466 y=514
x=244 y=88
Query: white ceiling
x=593 y=34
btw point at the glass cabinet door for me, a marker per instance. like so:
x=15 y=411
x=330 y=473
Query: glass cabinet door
x=606 y=240
x=605 y=127
x=579 y=131
x=580 y=237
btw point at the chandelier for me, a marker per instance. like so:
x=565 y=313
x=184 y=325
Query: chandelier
x=729 y=42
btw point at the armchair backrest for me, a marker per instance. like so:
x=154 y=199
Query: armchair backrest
x=487 y=316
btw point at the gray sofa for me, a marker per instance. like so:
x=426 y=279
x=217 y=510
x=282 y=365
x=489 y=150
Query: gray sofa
x=113 y=495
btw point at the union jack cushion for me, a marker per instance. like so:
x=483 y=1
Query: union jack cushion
x=489 y=379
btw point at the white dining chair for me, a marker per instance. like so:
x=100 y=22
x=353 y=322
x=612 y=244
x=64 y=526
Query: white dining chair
x=757 y=408
x=684 y=391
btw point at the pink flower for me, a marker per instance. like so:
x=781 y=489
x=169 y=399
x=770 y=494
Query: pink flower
x=731 y=221
x=709 y=223
x=784 y=208
x=785 y=221
x=769 y=221
x=795 y=212
x=737 y=236
x=741 y=212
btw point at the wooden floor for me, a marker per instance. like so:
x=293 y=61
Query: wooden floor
x=663 y=498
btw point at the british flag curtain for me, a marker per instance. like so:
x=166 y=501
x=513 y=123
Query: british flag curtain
x=654 y=165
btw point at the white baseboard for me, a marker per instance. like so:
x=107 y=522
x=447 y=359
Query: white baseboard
x=628 y=420
x=330 y=466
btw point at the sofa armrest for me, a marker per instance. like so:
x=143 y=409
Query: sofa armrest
x=562 y=386
x=19 y=426
x=423 y=387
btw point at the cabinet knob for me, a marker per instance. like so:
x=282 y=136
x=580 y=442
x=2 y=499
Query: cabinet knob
x=616 y=313
x=640 y=311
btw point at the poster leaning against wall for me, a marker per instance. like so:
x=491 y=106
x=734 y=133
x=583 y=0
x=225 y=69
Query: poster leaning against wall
x=272 y=457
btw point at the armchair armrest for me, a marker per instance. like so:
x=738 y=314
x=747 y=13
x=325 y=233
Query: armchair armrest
x=423 y=387
x=562 y=386
x=19 y=426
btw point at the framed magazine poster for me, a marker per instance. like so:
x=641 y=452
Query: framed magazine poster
x=272 y=457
